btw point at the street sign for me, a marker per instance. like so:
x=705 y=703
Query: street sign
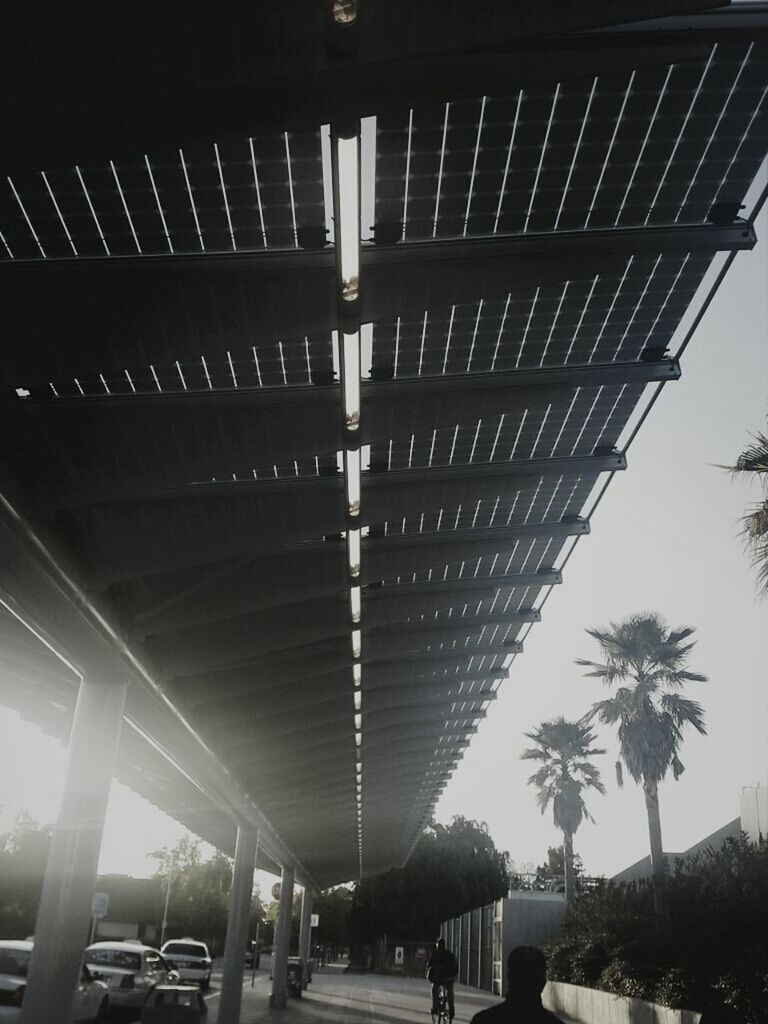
x=314 y=921
x=399 y=955
x=276 y=891
x=100 y=904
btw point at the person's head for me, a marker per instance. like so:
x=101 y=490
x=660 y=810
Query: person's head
x=526 y=971
x=440 y=944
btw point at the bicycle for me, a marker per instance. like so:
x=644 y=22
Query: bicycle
x=443 y=1012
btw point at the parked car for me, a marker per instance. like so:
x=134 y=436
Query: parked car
x=191 y=959
x=175 y=1004
x=130 y=969
x=91 y=997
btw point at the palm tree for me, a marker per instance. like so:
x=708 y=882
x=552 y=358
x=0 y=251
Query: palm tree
x=564 y=749
x=650 y=712
x=754 y=459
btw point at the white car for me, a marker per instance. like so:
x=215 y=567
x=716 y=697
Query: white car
x=192 y=960
x=91 y=997
x=130 y=969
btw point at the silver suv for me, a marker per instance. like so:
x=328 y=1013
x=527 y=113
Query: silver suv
x=192 y=960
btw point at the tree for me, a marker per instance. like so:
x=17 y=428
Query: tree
x=650 y=712
x=454 y=868
x=555 y=864
x=23 y=857
x=199 y=892
x=754 y=460
x=333 y=908
x=564 y=749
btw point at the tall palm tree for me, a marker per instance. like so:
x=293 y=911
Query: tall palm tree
x=650 y=660
x=564 y=749
x=754 y=459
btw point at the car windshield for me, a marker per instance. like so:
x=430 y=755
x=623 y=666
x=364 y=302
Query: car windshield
x=184 y=949
x=115 y=958
x=15 y=961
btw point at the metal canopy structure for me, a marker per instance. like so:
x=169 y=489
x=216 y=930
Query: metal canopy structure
x=311 y=510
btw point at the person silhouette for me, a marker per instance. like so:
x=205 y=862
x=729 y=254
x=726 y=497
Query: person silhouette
x=526 y=978
x=442 y=970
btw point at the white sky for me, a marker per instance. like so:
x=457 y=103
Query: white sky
x=664 y=538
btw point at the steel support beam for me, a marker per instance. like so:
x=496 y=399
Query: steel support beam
x=542 y=578
x=375 y=484
x=322 y=397
x=439 y=51
x=70 y=874
x=41 y=590
x=278 y=997
x=238 y=921
x=305 y=935
x=290 y=293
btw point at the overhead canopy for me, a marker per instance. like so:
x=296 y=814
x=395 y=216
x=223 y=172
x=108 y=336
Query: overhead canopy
x=545 y=196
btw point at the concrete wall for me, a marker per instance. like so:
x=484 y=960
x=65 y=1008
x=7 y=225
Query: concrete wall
x=753 y=809
x=482 y=939
x=591 y=1006
x=527 y=919
x=532 y=918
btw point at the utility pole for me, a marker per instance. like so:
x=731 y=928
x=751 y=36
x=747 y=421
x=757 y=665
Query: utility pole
x=164 y=924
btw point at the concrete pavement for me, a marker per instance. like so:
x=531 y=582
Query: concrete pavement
x=337 y=995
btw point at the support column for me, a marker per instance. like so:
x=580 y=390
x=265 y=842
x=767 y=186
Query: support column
x=282 y=941
x=237 y=926
x=305 y=934
x=61 y=931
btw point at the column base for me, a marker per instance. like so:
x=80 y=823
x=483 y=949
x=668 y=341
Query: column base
x=278 y=1002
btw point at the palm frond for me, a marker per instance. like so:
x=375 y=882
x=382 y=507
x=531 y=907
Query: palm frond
x=754 y=458
x=683 y=711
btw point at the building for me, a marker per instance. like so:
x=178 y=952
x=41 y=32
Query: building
x=752 y=820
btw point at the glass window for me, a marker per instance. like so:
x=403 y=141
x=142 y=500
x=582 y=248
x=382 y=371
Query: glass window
x=115 y=958
x=15 y=962
x=185 y=949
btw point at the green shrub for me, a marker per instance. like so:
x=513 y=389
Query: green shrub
x=711 y=946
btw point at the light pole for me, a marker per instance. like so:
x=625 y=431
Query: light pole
x=164 y=924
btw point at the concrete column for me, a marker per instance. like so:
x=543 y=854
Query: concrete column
x=237 y=926
x=61 y=931
x=278 y=997
x=305 y=933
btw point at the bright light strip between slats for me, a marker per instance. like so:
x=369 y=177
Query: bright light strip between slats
x=350 y=377
x=352 y=481
x=353 y=552
x=357 y=643
x=348 y=234
x=355 y=606
x=358 y=700
x=357 y=674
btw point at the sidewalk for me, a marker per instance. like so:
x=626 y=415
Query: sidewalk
x=338 y=996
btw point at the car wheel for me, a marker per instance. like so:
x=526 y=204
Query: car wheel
x=103 y=1010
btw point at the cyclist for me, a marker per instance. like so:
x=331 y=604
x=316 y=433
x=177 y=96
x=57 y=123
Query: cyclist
x=442 y=970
